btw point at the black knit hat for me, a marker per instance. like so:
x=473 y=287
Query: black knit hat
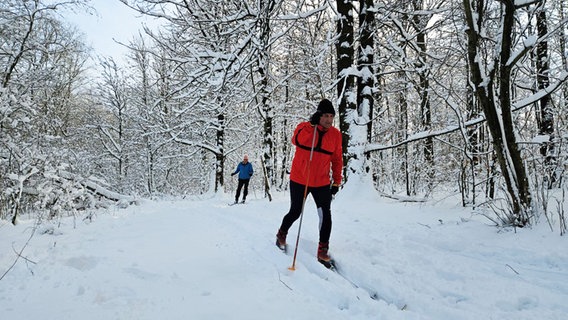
x=325 y=106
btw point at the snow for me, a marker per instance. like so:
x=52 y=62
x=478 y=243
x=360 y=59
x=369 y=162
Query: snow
x=540 y=139
x=522 y=3
x=203 y=259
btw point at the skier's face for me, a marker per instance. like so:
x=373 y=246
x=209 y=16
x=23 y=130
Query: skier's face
x=326 y=120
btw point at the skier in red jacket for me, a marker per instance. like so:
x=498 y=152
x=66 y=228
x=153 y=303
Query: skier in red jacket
x=318 y=155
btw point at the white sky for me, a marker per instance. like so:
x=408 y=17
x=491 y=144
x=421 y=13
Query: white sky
x=113 y=22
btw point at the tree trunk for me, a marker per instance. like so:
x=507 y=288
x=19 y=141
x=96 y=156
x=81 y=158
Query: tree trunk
x=519 y=174
x=546 y=123
x=402 y=134
x=562 y=43
x=419 y=23
x=346 y=80
x=500 y=123
x=365 y=64
x=268 y=110
x=220 y=155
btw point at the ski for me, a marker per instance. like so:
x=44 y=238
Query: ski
x=332 y=266
x=283 y=248
x=372 y=294
x=329 y=264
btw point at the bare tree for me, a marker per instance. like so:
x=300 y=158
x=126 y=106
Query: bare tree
x=493 y=90
x=115 y=130
x=224 y=67
x=40 y=66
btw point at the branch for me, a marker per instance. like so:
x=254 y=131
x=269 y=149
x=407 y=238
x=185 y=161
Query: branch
x=97 y=189
x=541 y=93
x=449 y=129
x=193 y=143
x=528 y=45
x=525 y=3
x=423 y=135
x=19 y=254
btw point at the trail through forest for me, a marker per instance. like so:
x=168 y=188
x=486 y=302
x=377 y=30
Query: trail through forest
x=204 y=259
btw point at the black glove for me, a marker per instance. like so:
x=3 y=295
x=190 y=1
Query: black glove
x=234 y=173
x=334 y=189
x=315 y=118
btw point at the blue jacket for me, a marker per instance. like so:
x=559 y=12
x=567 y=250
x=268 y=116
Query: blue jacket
x=245 y=170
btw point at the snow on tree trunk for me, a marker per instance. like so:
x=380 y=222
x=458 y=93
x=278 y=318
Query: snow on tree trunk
x=346 y=95
x=499 y=113
x=366 y=78
x=263 y=33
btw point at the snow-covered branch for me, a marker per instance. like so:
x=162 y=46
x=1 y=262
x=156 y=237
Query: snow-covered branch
x=449 y=129
x=93 y=187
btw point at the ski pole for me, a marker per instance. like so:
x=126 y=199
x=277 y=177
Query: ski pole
x=293 y=267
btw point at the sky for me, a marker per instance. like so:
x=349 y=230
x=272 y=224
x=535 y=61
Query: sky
x=112 y=22
x=200 y=258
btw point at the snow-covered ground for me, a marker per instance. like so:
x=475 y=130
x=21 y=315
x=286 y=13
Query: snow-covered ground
x=203 y=259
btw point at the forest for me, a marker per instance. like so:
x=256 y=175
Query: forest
x=433 y=97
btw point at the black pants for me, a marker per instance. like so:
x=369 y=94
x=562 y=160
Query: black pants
x=322 y=198
x=245 y=183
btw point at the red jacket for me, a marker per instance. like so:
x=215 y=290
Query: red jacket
x=327 y=156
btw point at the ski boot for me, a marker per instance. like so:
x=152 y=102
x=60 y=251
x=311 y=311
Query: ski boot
x=323 y=257
x=281 y=240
